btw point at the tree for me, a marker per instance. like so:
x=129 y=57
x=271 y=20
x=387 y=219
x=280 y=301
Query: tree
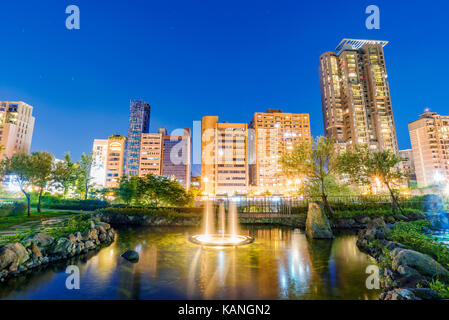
x=83 y=177
x=42 y=165
x=20 y=168
x=362 y=166
x=152 y=190
x=313 y=162
x=64 y=174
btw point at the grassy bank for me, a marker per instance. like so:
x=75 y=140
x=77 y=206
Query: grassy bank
x=73 y=223
x=10 y=221
x=413 y=234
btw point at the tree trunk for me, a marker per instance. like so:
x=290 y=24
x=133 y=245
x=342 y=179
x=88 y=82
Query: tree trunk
x=394 y=200
x=29 y=204
x=326 y=203
x=87 y=189
x=39 y=200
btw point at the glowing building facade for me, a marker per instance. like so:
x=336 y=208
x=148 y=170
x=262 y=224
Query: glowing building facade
x=355 y=95
x=150 y=160
x=272 y=134
x=99 y=155
x=139 y=123
x=429 y=136
x=115 y=160
x=224 y=157
x=16 y=127
x=176 y=161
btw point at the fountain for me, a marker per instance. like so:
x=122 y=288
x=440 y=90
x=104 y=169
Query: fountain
x=226 y=235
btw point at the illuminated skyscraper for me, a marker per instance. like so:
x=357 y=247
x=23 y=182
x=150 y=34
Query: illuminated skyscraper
x=272 y=134
x=224 y=157
x=99 y=155
x=176 y=156
x=429 y=136
x=108 y=155
x=115 y=160
x=16 y=127
x=150 y=161
x=139 y=122
x=356 y=96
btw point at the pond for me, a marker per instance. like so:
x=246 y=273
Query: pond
x=281 y=264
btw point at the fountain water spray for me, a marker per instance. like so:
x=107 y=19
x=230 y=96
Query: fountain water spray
x=227 y=234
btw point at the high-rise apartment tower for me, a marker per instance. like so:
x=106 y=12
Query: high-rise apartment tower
x=139 y=122
x=356 y=97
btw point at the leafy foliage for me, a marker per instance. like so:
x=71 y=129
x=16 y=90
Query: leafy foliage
x=361 y=166
x=413 y=234
x=152 y=191
x=314 y=163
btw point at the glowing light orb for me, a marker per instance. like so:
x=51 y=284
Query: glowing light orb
x=221 y=240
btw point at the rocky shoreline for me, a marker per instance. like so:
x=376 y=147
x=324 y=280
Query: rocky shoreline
x=40 y=249
x=405 y=273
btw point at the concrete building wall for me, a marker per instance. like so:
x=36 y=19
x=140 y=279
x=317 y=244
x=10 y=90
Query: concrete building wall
x=98 y=170
x=272 y=134
x=115 y=160
x=355 y=95
x=150 y=160
x=429 y=137
x=176 y=160
x=224 y=161
x=16 y=127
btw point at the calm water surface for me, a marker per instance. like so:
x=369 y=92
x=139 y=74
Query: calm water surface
x=280 y=264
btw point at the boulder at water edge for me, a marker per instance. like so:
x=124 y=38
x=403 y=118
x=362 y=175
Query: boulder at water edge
x=14 y=253
x=317 y=223
x=130 y=255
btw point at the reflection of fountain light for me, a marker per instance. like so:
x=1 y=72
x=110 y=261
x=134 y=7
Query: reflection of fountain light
x=222 y=238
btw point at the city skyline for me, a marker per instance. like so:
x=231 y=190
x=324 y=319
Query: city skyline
x=77 y=97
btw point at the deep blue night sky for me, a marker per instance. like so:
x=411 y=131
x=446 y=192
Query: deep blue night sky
x=194 y=58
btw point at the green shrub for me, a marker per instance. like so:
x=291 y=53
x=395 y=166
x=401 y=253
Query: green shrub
x=347 y=214
x=168 y=213
x=413 y=234
x=441 y=288
x=8 y=209
x=79 y=222
x=51 y=202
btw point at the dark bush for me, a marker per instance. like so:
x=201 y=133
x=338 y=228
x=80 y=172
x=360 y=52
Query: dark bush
x=165 y=212
x=8 y=209
x=50 y=202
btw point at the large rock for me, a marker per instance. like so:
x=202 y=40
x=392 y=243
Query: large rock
x=41 y=239
x=90 y=234
x=317 y=223
x=64 y=247
x=35 y=250
x=422 y=263
x=131 y=255
x=399 y=294
x=13 y=253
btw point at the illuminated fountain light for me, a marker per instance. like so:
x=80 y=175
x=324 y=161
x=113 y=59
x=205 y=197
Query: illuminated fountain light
x=226 y=235
x=221 y=240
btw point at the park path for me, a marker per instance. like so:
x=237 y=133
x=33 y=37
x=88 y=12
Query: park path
x=39 y=225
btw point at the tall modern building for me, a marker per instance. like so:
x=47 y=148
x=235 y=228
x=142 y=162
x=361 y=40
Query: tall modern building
x=98 y=170
x=272 y=134
x=139 y=123
x=408 y=165
x=16 y=127
x=150 y=161
x=109 y=155
x=355 y=95
x=177 y=156
x=224 y=157
x=115 y=160
x=429 y=136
